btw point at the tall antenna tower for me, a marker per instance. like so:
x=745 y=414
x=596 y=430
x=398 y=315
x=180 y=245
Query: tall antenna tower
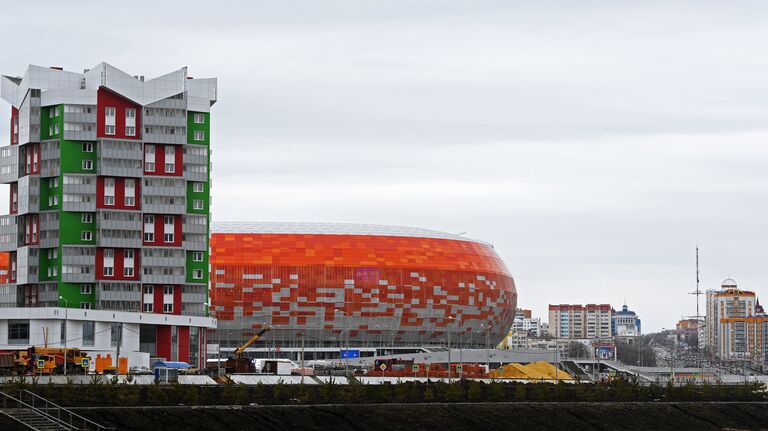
x=698 y=291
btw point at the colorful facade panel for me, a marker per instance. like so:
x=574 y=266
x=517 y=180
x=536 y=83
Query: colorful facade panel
x=410 y=290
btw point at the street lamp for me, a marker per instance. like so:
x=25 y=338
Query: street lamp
x=64 y=335
x=449 y=347
x=346 y=356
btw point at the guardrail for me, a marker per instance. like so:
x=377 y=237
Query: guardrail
x=70 y=418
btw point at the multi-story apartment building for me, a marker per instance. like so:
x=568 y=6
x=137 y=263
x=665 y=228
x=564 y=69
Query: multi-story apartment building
x=625 y=322
x=109 y=193
x=525 y=322
x=591 y=321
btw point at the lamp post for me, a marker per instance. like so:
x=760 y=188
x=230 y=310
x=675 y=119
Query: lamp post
x=450 y=318
x=64 y=335
x=346 y=329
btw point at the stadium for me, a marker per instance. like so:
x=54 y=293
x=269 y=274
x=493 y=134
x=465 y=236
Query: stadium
x=375 y=288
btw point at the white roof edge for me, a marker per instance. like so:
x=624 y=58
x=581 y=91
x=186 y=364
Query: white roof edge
x=334 y=229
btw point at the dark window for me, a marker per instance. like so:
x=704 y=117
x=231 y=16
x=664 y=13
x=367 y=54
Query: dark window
x=18 y=332
x=89 y=333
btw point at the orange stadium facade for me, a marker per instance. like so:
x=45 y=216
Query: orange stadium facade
x=364 y=285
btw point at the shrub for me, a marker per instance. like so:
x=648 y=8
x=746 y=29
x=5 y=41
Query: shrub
x=429 y=394
x=156 y=396
x=229 y=394
x=497 y=392
x=541 y=391
x=455 y=392
x=475 y=392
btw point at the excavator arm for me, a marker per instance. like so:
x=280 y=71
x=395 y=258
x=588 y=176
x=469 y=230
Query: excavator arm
x=239 y=351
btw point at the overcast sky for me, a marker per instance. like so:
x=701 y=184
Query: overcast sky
x=593 y=143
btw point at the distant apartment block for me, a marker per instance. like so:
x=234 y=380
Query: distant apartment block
x=591 y=321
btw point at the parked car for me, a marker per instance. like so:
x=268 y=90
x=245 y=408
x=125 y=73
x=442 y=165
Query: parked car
x=139 y=369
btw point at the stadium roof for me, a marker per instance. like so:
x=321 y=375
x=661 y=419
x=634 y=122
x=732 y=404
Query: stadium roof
x=333 y=229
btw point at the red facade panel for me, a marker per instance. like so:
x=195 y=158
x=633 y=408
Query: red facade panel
x=159 y=239
x=14 y=126
x=118 y=268
x=107 y=99
x=158 y=166
x=118 y=201
x=163 y=342
x=183 y=343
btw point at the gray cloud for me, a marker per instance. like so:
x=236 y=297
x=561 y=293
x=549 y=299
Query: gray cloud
x=595 y=144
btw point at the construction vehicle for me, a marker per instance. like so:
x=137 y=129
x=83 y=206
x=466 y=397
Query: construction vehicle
x=239 y=364
x=74 y=358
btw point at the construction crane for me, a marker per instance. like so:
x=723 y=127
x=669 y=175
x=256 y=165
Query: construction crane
x=240 y=349
x=239 y=364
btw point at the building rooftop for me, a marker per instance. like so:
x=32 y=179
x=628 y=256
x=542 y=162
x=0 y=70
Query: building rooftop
x=333 y=229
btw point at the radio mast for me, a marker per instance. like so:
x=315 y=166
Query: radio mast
x=697 y=292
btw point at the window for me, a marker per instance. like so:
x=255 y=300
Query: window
x=130 y=131
x=50 y=113
x=170 y=159
x=149 y=219
x=128 y=272
x=198 y=187
x=167 y=308
x=197 y=204
x=85 y=289
x=87 y=165
x=149 y=158
x=56 y=129
x=115 y=335
x=109 y=112
x=197 y=274
x=109 y=262
x=128 y=253
x=197 y=256
x=56 y=111
x=109 y=191
x=148 y=307
x=168 y=237
x=86 y=235
x=149 y=290
x=87 y=147
x=199 y=135
x=86 y=218
x=89 y=329
x=168 y=290
x=130 y=192
x=63 y=331
x=18 y=332
x=199 y=118
x=50 y=130
x=168 y=219
x=149 y=237
x=109 y=130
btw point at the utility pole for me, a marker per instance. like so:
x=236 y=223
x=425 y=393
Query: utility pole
x=64 y=335
x=119 y=342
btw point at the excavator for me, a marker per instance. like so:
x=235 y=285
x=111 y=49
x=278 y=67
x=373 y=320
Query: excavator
x=239 y=364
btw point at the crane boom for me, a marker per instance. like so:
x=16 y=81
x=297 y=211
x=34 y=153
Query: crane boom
x=239 y=351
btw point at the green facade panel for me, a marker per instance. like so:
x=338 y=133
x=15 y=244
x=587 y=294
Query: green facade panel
x=193 y=126
x=203 y=196
x=71 y=227
x=192 y=265
x=50 y=264
x=51 y=195
x=51 y=122
x=73 y=153
x=74 y=296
